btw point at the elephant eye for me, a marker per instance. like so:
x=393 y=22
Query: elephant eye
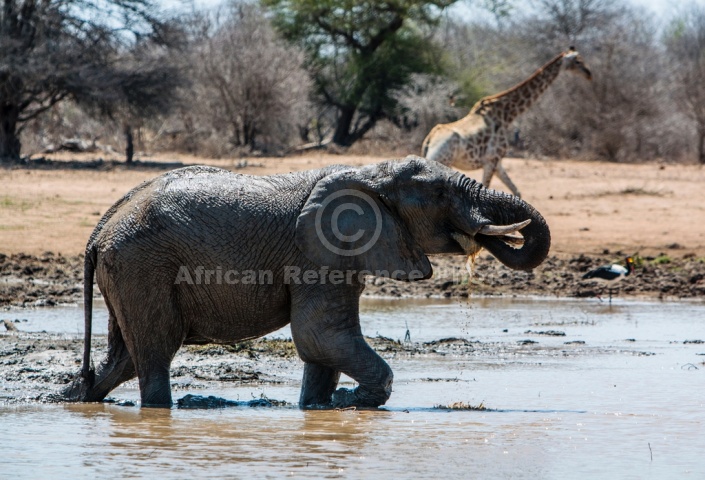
x=440 y=192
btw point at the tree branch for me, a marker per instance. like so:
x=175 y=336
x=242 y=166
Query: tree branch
x=383 y=34
x=56 y=98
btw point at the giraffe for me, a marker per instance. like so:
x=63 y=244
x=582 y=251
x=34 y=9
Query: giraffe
x=480 y=138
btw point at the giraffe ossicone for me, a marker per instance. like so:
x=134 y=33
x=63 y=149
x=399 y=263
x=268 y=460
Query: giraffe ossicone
x=480 y=140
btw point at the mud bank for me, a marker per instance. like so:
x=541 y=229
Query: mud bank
x=50 y=279
x=35 y=366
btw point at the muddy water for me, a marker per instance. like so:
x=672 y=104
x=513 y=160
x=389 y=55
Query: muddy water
x=626 y=403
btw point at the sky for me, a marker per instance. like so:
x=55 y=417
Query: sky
x=662 y=9
x=659 y=7
x=665 y=8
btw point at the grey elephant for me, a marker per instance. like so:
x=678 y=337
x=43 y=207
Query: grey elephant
x=203 y=255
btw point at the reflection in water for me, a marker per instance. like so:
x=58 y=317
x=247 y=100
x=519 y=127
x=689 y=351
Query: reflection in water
x=214 y=442
x=319 y=444
x=177 y=440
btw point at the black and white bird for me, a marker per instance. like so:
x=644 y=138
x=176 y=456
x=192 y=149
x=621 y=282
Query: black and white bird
x=611 y=274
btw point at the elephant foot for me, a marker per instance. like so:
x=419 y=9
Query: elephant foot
x=357 y=397
x=79 y=390
x=343 y=398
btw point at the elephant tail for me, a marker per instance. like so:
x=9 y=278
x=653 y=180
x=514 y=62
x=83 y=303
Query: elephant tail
x=87 y=374
x=79 y=390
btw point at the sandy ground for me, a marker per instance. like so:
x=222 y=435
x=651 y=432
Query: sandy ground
x=590 y=206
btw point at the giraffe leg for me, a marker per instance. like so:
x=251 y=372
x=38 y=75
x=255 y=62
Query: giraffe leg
x=502 y=174
x=488 y=170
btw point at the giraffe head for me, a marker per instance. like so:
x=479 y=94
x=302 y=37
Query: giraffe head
x=573 y=62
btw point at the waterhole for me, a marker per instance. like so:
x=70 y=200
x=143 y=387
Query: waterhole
x=566 y=389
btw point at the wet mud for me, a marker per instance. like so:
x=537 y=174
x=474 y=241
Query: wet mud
x=34 y=367
x=50 y=279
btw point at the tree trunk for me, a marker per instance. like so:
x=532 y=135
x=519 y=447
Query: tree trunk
x=342 y=128
x=129 y=144
x=343 y=136
x=9 y=140
x=249 y=132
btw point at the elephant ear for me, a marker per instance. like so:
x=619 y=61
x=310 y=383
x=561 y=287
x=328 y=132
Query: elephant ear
x=346 y=225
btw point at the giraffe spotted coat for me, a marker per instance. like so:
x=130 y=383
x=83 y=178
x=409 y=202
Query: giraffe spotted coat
x=480 y=139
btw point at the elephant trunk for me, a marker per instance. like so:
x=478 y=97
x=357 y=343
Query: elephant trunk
x=501 y=209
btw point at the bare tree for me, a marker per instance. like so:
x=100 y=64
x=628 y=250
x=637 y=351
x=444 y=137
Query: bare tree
x=427 y=101
x=142 y=85
x=685 y=43
x=56 y=49
x=252 y=81
x=570 y=21
x=483 y=59
x=615 y=117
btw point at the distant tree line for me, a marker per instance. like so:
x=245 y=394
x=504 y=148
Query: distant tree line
x=275 y=76
x=108 y=56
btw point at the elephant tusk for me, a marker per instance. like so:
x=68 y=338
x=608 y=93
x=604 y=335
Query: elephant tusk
x=499 y=230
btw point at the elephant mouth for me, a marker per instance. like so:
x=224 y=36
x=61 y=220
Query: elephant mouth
x=508 y=234
x=472 y=244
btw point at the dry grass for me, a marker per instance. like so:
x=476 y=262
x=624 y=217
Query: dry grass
x=462 y=406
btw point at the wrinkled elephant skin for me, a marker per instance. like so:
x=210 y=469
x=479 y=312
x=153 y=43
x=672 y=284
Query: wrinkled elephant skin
x=202 y=255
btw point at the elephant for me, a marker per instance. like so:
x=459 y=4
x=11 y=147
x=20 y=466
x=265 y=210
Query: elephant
x=204 y=255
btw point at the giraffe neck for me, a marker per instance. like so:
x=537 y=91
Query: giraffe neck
x=504 y=107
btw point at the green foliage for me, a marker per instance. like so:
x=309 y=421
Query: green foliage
x=500 y=8
x=471 y=89
x=661 y=260
x=676 y=30
x=9 y=202
x=361 y=52
x=638 y=261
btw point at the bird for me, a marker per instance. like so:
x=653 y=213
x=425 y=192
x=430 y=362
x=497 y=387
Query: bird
x=611 y=274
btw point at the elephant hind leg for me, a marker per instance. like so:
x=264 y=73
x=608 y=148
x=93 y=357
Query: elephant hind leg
x=153 y=334
x=155 y=386
x=116 y=368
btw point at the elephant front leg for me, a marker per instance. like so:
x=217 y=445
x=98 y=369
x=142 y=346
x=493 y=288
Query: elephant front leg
x=328 y=338
x=318 y=385
x=373 y=375
x=357 y=360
